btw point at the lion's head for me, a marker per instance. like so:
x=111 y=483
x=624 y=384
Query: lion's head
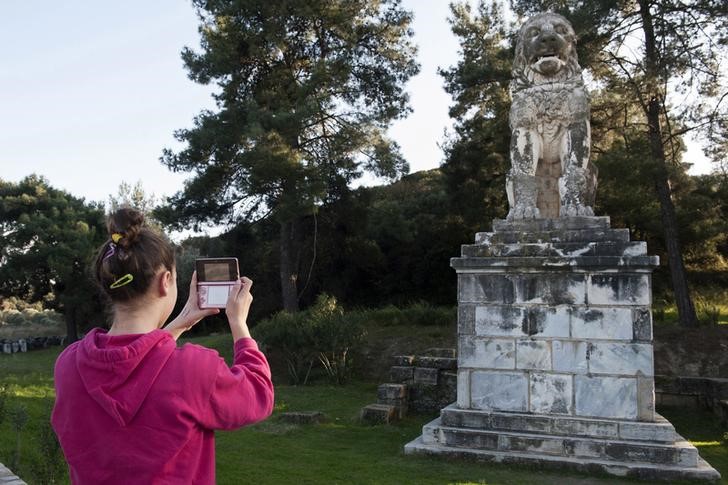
x=545 y=52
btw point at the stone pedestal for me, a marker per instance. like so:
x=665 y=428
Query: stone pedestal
x=555 y=354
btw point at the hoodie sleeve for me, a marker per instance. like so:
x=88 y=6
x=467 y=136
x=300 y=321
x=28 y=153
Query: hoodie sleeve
x=241 y=394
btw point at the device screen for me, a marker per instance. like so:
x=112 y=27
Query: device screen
x=222 y=269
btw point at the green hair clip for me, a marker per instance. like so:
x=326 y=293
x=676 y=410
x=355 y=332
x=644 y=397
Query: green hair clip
x=124 y=280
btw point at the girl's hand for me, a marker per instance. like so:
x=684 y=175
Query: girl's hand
x=238 y=304
x=190 y=314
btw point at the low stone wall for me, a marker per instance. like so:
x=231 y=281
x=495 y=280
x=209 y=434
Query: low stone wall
x=708 y=392
x=8 y=346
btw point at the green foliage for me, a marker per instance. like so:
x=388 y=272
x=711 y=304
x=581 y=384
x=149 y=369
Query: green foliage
x=323 y=333
x=418 y=314
x=3 y=401
x=307 y=90
x=52 y=468
x=287 y=333
x=136 y=197
x=18 y=419
x=47 y=238
x=708 y=312
x=30 y=316
x=476 y=155
x=477 y=152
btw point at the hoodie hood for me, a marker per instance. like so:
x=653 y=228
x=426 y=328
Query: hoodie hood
x=118 y=371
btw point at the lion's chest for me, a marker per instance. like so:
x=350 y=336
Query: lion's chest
x=545 y=107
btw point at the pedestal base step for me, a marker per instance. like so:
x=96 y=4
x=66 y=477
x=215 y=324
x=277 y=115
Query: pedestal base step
x=645 y=471
x=680 y=453
x=659 y=431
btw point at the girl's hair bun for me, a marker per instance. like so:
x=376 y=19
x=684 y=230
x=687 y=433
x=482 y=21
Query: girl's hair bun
x=127 y=222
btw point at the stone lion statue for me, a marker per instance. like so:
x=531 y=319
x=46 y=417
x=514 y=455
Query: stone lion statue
x=550 y=172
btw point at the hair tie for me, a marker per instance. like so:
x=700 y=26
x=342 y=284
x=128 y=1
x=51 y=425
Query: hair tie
x=124 y=280
x=116 y=237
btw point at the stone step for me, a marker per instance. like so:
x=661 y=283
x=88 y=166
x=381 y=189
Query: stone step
x=680 y=453
x=394 y=395
x=644 y=471
x=660 y=431
x=560 y=224
x=556 y=263
x=378 y=414
x=392 y=391
x=556 y=249
x=447 y=363
x=576 y=235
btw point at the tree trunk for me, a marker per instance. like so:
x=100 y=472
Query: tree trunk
x=288 y=266
x=685 y=308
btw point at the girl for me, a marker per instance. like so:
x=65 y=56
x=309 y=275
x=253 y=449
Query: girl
x=131 y=406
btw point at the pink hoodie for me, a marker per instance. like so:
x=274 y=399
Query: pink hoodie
x=138 y=409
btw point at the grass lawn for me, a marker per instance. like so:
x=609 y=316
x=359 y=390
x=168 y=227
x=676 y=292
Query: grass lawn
x=339 y=451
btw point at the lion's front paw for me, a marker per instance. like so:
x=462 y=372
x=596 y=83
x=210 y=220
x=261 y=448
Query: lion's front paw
x=523 y=213
x=574 y=210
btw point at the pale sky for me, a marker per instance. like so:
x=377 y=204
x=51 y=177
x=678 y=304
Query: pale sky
x=91 y=92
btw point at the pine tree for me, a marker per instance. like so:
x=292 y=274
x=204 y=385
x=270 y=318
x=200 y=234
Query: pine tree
x=307 y=89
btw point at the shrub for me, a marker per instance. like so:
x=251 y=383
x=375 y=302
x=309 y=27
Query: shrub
x=334 y=335
x=322 y=333
x=30 y=316
x=286 y=332
x=708 y=313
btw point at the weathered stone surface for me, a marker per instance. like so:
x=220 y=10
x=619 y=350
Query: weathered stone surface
x=645 y=398
x=9 y=478
x=403 y=360
x=542 y=321
x=445 y=352
x=672 y=454
x=401 y=373
x=608 y=397
x=499 y=320
x=485 y=288
x=426 y=375
x=559 y=224
x=505 y=391
x=585 y=427
x=556 y=249
x=620 y=289
x=378 y=414
x=466 y=319
x=637 y=470
x=620 y=358
x=436 y=362
x=565 y=236
x=604 y=428
x=556 y=264
x=661 y=431
x=642 y=324
x=533 y=354
x=391 y=391
x=551 y=289
x=570 y=356
x=551 y=393
x=463 y=395
x=488 y=353
x=601 y=323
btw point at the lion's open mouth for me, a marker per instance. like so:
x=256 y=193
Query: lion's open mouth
x=546 y=55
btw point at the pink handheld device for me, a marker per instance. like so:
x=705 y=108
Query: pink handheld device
x=215 y=278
